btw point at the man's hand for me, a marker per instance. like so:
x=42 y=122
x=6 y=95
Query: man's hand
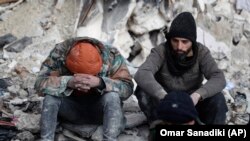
x=84 y=82
x=195 y=97
x=74 y=83
x=88 y=80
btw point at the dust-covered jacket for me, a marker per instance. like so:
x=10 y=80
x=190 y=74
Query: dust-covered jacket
x=54 y=75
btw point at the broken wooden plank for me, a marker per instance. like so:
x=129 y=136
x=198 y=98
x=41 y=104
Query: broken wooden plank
x=59 y=4
x=7 y=1
x=6 y=113
x=2 y=9
x=78 y=7
x=85 y=10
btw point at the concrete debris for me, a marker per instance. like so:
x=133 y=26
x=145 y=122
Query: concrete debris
x=229 y=98
x=122 y=41
x=19 y=45
x=2 y=9
x=59 y=4
x=240 y=103
x=142 y=22
x=243 y=5
x=84 y=11
x=5 y=83
x=7 y=1
x=131 y=104
x=135 y=119
x=236 y=39
x=82 y=130
x=47 y=22
x=143 y=131
x=29 y=122
x=130 y=138
x=97 y=135
x=25 y=136
x=6 y=39
x=61 y=137
x=72 y=136
x=18 y=101
x=117 y=18
x=135 y=50
x=246 y=31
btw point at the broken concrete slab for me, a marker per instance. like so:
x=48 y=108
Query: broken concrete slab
x=5 y=83
x=142 y=22
x=122 y=41
x=130 y=138
x=146 y=45
x=166 y=10
x=243 y=5
x=143 y=131
x=98 y=134
x=25 y=136
x=29 y=122
x=135 y=50
x=135 y=119
x=116 y=16
x=240 y=103
x=85 y=130
x=61 y=137
x=19 y=45
x=72 y=136
x=6 y=39
x=131 y=104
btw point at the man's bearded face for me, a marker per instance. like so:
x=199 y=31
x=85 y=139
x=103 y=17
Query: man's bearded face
x=182 y=47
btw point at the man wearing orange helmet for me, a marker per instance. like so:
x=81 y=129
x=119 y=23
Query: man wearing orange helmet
x=84 y=81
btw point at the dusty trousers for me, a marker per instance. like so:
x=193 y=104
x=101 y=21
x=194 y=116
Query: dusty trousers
x=103 y=109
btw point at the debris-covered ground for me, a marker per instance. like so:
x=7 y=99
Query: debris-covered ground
x=29 y=29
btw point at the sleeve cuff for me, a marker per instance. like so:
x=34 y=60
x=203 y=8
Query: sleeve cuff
x=108 y=85
x=65 y=90
x=203 y=92
x=161 y=94
x=101 y=85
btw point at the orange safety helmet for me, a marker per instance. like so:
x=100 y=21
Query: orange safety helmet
x=84 y=58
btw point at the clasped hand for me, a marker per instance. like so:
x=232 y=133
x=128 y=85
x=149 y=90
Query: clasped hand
x=83 y=82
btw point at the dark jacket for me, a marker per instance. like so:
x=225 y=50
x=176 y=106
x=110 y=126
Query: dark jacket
x=154 y=78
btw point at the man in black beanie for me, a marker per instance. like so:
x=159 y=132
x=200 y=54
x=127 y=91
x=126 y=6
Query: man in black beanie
x=180 y=64
x=176 y=108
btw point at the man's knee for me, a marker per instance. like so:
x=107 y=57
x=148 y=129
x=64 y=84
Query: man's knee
x=51 y=100
x=143 y=99
x=111 y=98
x=112 y=106
x=114 y=121
x=219 y=102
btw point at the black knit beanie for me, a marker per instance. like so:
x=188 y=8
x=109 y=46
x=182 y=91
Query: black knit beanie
x=183 y=26
x=177 y=107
